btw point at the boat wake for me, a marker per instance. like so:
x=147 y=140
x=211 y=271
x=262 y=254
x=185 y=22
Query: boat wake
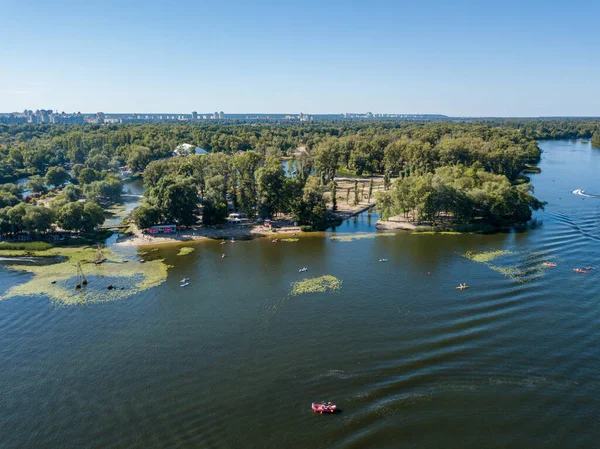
x=581 y=192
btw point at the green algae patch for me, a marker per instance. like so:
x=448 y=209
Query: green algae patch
x=323 y=284
x=521 y=267
x=289 y=240
x=185 y=251
x=57 y=281
x=486 y=256
x=352 y=237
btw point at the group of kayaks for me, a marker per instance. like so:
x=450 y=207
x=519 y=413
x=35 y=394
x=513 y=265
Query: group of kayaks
x=584 y=270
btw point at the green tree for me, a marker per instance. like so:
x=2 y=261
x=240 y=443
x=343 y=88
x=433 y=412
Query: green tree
x=57 y=176
x=270 y=178
x=88 y=175
x=37 y=184
x=38 y=219
x=8 y=199
x=147 y=215
x=177 y=199
x=596 y=139
x=107 y=190
x=326 y=157
x=246 y=165
x=333 y=190
x=138 y=157
x=98 y=162
x=79 y=217
x=73 y=193
x=314 y=203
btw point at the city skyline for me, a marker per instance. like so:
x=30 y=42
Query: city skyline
x=476 y=59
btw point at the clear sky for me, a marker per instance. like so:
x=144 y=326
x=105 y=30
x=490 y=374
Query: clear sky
x=476 y=58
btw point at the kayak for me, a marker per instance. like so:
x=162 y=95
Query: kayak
x=549 y=264
x=324 y=408
x=579 y=270
x=302 y=270
x=462 y=287
x=185 y=284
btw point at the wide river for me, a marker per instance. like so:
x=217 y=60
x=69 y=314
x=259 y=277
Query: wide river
x=234 y=360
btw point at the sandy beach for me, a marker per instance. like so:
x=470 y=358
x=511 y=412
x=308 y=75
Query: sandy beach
x=225 y=231
x=396 y=223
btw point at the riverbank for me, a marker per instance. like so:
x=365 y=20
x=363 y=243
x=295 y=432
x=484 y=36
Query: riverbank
x=401 y=223
x=242 y=231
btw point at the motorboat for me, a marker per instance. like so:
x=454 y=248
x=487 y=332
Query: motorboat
x=302 y=270
x=184 y=284
x=383 y=260
x=324 y=407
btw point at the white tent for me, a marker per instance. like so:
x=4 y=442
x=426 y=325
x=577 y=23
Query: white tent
x=186 y=148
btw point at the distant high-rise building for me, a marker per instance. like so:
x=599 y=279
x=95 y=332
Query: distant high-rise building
x=221 y=115
x=194 y=115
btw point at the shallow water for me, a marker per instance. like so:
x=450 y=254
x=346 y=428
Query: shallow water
x=234 y=360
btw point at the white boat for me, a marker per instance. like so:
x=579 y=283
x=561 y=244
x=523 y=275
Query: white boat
x=185 y=284
x=383 y=260
x=302 y=270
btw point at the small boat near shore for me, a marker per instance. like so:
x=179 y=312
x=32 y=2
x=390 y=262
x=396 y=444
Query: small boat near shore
x=185 y=284
x=549 y=264
x=383 y=260
x=580 y=271
x=302 y=270
x=462 y=287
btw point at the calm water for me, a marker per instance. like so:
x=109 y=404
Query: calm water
x=232 y=362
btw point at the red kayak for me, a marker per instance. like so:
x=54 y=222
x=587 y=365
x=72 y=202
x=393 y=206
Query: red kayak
x=324 y=408
x=579 y=270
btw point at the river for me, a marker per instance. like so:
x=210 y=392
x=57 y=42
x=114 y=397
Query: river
x=234 y=360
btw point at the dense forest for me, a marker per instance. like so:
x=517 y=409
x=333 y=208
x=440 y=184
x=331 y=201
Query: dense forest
x=466 y=170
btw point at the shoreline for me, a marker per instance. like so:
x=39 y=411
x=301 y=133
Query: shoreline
x=199 y=233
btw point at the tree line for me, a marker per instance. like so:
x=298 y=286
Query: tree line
x=31 y=149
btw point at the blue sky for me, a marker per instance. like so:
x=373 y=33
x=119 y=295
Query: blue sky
x=477 y=58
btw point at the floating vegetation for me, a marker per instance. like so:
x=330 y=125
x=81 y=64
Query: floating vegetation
x=521 y=267
x=290 y=240
x=57 y=281
x=185 y=251
x=486 y=256
x=352 y=237
x=323 y=284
